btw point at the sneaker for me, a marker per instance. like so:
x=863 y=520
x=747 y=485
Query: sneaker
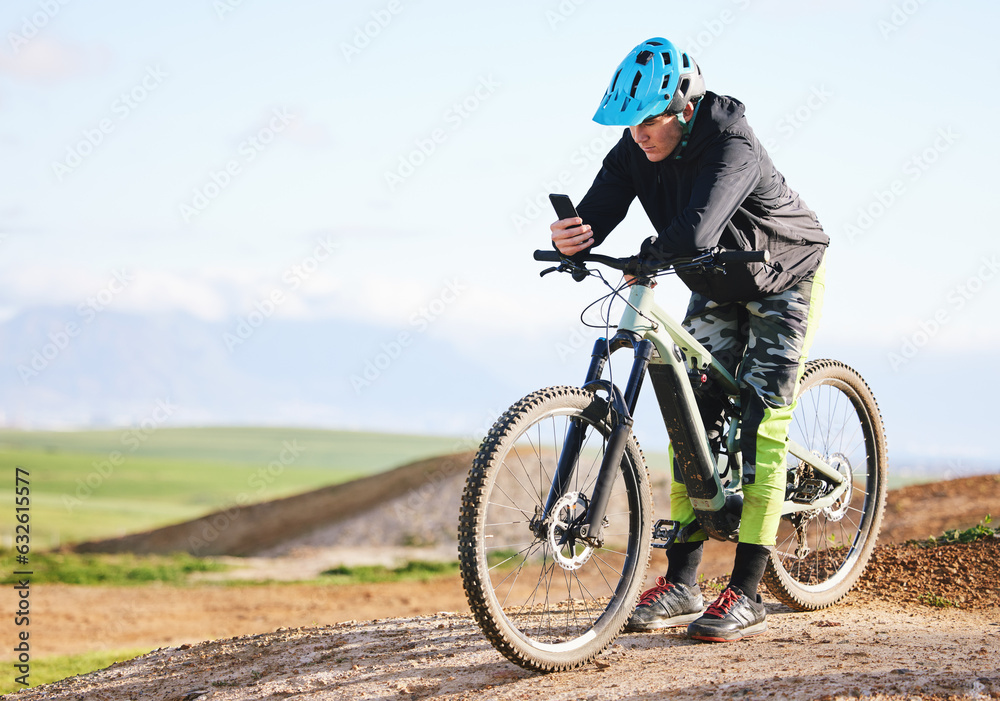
x=666 y=605
x=732 y=616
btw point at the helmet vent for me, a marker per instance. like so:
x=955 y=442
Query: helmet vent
x=614 y=81
x=635 y=84
x=666 y=58
x=665 y=83
x=643 y=57
x=684 y=86
x=654 y=43
x=687 y=61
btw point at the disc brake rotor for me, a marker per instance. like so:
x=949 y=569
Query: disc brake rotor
x=569 y=552
x=838 y=509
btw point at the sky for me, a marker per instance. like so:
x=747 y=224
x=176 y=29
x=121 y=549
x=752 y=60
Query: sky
x=388 y=162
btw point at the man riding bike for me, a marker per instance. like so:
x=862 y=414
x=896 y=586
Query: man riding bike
x=704 y=180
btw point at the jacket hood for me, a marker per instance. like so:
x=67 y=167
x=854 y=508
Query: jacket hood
x=716 y=114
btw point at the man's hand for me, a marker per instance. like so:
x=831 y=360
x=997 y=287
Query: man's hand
x=571 y=235
x=630 y=280
x=635 y=270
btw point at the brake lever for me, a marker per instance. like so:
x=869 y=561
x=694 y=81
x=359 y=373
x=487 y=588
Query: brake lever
x=577 y=270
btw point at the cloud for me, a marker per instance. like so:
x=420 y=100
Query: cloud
x=45 y=60
x=125 y=289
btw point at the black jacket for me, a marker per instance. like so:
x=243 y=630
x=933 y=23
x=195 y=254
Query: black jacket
x=722 y=190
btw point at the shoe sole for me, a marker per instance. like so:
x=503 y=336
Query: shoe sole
x=675 y=622
x=739 y=635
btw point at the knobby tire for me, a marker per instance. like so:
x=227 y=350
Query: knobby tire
x=537 y=613
x=836 y=417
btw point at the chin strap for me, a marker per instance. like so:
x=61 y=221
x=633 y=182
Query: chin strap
x=687 y=127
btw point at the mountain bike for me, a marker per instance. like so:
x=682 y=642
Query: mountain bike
x=556 y=526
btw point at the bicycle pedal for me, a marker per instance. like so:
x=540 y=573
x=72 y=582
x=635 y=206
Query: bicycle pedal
x=665 y=530
x=808 y=491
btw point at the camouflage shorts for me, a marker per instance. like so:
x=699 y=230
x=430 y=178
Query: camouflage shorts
x=764 y=344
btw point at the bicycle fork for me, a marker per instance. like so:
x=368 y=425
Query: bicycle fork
x=620 y=406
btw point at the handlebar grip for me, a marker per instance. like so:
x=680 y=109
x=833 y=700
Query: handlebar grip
x=548 y=256
x=743 y=257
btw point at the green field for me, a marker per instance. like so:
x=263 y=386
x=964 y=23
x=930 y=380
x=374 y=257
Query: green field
x=52 y=669
x=94 y=484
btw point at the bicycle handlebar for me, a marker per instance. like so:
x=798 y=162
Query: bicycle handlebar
x=716 y=256
x=735 y=256
x=557 y=257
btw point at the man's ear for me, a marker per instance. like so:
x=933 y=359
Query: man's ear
x=688 y=112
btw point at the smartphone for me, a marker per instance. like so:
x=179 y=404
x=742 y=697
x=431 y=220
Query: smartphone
x=563 y=206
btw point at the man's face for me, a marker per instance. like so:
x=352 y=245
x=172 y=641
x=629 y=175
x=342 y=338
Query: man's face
x=658 y=136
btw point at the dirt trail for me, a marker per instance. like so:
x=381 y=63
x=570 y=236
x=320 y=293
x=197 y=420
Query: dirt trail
x=885 y=638
x=866 y=648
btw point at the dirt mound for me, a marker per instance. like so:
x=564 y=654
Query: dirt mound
x=923 y=510
x=962 y=575
x=416 y=505
x=381 y=506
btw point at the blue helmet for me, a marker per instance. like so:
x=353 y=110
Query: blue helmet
x=654 y=78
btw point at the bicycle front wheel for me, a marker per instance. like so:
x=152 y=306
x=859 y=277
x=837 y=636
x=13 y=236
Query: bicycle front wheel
x=545 y=601
x=820 y=554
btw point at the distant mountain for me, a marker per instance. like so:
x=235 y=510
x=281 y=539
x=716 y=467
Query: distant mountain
x=60 y=370
x=64 y=368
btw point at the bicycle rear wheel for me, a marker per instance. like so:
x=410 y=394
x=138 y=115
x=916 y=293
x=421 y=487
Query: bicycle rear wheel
x=820 y=554
x=544 y=603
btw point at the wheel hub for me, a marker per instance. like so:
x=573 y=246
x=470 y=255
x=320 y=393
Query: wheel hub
x=568 y=550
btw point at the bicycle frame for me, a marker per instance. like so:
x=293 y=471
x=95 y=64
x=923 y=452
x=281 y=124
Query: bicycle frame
x=664 y=349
